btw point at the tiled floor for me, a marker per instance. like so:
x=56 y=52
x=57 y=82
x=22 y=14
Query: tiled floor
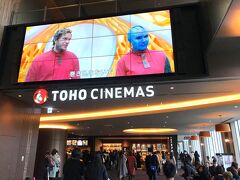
x=141 y=175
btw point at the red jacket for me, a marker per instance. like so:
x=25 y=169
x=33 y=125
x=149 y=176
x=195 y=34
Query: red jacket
x=54 y=66
x=131 y=165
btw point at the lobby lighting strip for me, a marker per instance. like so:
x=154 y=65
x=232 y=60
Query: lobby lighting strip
x=142 y=110
x=52 y=126
x=149 y=130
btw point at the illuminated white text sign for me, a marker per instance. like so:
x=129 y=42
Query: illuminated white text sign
x=103 y=93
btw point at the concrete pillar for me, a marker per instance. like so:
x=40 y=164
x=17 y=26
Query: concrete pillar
x=49 y=139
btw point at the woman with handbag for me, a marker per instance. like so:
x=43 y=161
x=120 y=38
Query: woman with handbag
x=131 y=165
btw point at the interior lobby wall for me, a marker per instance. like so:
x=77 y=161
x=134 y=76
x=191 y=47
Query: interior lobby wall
x=18 y=139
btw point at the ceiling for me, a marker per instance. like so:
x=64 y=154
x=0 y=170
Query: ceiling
x=189 y=120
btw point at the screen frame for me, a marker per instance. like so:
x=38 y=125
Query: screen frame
x=93 y=81
x=14 y=35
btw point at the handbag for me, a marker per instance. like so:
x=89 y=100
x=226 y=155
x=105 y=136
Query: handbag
x=134 y=172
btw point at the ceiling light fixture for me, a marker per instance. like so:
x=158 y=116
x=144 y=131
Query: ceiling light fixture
x=194 y=138
x=142 y=110
x=204 y=134
x=222 y=127
x=149 y=130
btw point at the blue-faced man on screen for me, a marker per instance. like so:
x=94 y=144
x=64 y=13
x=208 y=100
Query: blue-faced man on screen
x=140 y=60
x=138 y=37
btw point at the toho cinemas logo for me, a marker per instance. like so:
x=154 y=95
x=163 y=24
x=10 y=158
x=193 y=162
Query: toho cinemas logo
x=40 y=96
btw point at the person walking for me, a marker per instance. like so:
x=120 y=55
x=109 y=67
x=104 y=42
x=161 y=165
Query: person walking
x=73 y=168
x=151 y=165
x=131 y=165
x=122 y=166
x=96 y=170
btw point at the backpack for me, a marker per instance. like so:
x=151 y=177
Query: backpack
x=153 y=164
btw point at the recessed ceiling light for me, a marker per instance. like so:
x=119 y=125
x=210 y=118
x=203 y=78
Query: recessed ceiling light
x=171 y=87
x=20 y=95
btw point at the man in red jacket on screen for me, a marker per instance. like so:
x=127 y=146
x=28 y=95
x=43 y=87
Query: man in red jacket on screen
x=56 y=64
x=140 y=60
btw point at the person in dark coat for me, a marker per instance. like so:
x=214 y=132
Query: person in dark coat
x=212 y=169
x=96 y=169
x=138 y=158
x=234 y=170
x=169 y=170
x=73 y=168
x=189 y=170
x=203 y=173
x=197 y=158
x=152 y=164
x=219 y=172
x=47 y=164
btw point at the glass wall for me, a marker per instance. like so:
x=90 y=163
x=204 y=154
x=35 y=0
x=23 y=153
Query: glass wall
x=213 y=144
x=186 y=145
x=235 y=126
x=195 y=146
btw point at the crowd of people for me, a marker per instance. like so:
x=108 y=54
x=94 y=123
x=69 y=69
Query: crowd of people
x=95 y=166
x=210 y=170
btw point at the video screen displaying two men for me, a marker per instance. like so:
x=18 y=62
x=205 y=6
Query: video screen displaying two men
x=128 y=45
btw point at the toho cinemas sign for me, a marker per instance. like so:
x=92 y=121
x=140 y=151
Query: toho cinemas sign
x=41 y=95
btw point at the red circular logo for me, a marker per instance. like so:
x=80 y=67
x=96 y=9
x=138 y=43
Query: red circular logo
x=40 y=96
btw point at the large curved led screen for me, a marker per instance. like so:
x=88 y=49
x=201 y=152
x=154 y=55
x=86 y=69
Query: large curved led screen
x=127 y=45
